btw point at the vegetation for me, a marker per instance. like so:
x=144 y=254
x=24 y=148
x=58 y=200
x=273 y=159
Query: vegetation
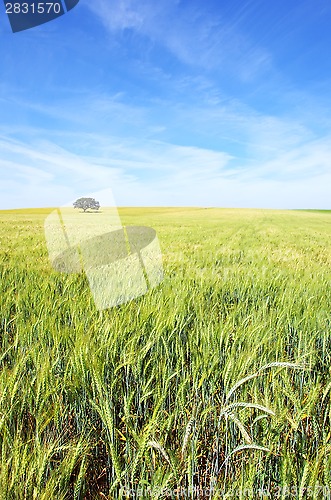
x=219 y=379
x=86 y=204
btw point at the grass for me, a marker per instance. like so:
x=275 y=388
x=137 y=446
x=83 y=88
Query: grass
x=218 y=380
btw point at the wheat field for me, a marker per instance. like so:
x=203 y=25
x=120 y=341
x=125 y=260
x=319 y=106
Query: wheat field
x=216 y=384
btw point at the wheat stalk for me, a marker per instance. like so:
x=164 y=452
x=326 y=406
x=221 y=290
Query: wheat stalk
x=157 y=446
x=275 y=364
x=187 y=434
x=244 y=447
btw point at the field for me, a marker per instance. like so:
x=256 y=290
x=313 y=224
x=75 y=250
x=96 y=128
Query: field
x=216 y=384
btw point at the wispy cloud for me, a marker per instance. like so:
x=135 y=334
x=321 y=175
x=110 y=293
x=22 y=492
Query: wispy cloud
x=195 y=36
x=309 y=161
x=155 y=172
x=190 y=117
x=44 y=167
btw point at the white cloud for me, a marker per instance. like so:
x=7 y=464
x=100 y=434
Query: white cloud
x=194 y=35
x=249 y=158
x=159 y=173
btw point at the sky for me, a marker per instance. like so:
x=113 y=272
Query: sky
x=170 y=103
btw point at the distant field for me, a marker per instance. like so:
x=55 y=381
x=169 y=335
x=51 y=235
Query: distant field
x=154 y=396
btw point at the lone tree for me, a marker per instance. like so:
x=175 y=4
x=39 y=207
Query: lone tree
x=87 y=203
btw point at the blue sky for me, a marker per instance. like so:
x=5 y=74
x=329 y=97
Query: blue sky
x=184 y=103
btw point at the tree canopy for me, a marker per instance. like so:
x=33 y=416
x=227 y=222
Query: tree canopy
x=86 y=204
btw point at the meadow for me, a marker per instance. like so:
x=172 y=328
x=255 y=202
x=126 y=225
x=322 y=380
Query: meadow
x=215 y=384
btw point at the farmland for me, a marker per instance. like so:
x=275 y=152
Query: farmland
x=215 y=384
